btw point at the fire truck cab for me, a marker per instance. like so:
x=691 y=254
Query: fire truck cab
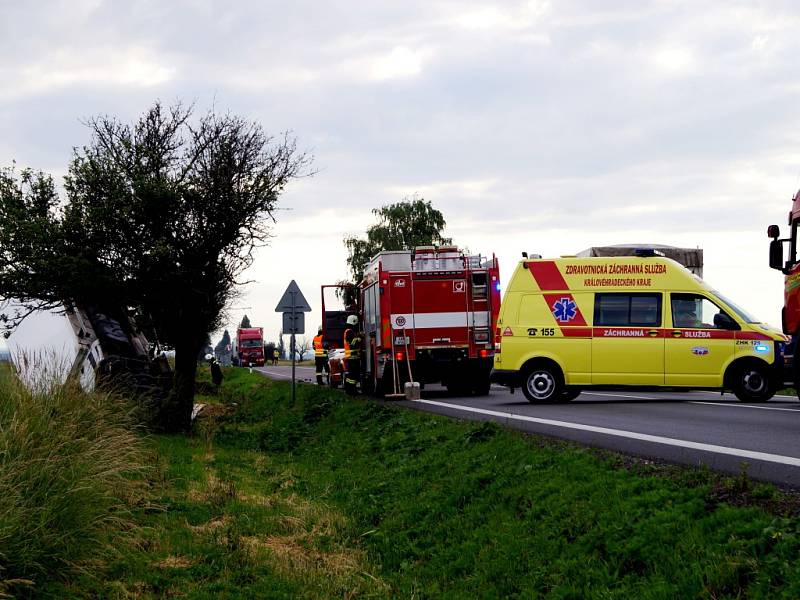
x=789 y=265
x=427 y=315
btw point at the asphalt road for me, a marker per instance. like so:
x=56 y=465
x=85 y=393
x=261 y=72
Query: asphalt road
x=695 y=428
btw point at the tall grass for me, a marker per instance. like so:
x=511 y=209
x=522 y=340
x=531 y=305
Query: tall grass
x=71 y=466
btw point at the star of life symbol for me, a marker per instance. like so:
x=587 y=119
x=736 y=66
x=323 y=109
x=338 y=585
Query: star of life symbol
x=565 y=310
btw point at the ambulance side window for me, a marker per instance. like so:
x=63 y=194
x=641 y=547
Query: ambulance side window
x=627 y=310
x=695 y=312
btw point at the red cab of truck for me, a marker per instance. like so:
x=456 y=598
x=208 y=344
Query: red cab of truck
x=250 y=346
x=428 y=314
x=786 y=260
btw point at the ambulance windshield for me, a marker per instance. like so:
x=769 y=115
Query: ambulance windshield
x=744 y=315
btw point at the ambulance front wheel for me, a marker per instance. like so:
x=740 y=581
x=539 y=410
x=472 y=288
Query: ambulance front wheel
x=543 y=383
x=751 y=383
x=569 y=394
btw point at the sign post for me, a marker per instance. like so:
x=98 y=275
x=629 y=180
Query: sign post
x=293 y=304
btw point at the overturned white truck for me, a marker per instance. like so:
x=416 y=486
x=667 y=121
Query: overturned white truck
x=92 y=347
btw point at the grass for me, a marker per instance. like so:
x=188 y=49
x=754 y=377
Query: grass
x=72 y=466
x=299 y=363
x=333 y=497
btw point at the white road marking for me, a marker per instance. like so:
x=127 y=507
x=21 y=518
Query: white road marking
x=274 y=374
x=744 y=406
x=621 y=396
x=724 y=404
x=657 y=439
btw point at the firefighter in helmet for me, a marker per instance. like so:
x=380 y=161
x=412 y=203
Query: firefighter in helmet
x=320 y=356
x=353 y=338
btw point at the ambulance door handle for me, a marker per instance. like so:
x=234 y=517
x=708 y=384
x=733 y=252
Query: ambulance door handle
x=676 y=333
x=653 y=332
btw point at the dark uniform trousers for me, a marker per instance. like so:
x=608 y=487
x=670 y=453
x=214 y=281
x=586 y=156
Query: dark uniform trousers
x=352 y=344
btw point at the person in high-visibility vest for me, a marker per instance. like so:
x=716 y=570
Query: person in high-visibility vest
x=320 y=356
x=276 y=354
x=353 y=339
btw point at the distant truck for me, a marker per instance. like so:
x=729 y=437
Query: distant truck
x=250 y=346
x=427 y=314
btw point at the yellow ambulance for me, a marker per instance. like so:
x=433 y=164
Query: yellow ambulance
x=568 y=324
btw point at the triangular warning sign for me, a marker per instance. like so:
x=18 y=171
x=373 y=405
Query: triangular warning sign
x=293 y=300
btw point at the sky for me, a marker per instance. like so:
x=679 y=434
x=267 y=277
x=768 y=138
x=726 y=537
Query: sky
x=541 y=126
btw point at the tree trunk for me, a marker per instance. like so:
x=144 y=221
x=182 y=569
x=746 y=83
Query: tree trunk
x=176 y=414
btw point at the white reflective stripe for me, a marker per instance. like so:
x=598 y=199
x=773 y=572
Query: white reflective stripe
x=439 y=319
x=645 y=437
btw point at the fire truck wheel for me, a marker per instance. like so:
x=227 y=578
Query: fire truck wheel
x=368 y=385
x=751 y=382
x=458 y=388
x=385 y=384
x=542 y=383
x=482 y=387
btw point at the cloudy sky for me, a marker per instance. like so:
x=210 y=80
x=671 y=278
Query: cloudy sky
x=539 y=126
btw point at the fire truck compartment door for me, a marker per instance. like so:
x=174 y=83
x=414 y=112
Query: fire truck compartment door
x=440 y=312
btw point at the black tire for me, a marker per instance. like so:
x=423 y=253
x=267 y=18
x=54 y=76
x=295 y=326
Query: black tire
x=458 y=388
x=569 y=394
x=542 y=383
x=751 y=382
x=482 y=387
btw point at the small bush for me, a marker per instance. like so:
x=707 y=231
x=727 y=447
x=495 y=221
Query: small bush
x=71 y=467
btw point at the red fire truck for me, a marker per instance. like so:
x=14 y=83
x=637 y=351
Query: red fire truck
x=427 y=314
x=790 y=267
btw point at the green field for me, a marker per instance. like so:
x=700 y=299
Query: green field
x=335 y=497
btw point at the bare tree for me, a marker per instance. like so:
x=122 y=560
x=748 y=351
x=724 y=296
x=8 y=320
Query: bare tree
x=301 y=346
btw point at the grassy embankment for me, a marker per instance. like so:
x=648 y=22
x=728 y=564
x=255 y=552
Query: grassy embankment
x=72 y=468
x=338 y=497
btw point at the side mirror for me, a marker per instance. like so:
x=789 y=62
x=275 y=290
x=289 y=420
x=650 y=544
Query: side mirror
x=773 y=231
x=776 y=255
x=724 y=321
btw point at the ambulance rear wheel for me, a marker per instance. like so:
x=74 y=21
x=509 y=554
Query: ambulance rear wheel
x=543 y=383
x=751 y=383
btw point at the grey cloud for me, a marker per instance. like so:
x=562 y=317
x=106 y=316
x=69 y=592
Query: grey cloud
x=557 y=109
